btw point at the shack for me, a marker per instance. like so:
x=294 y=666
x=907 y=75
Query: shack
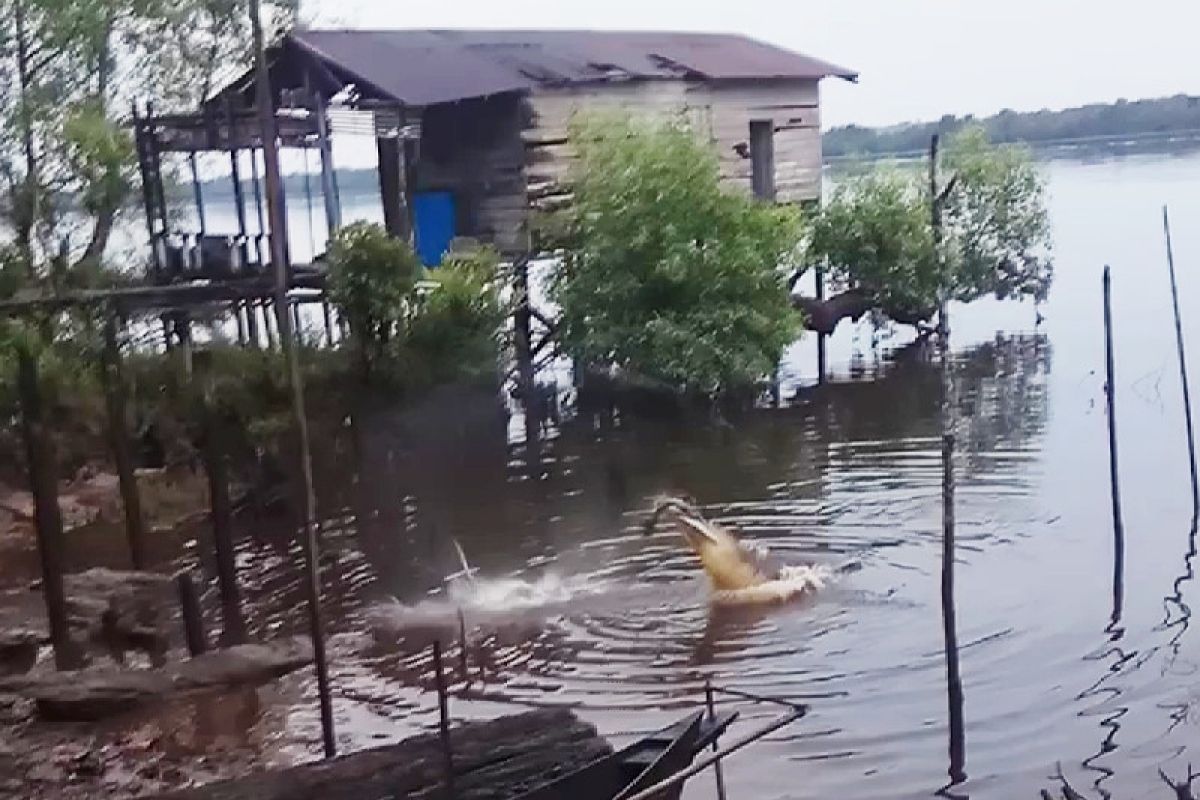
x=471 y=127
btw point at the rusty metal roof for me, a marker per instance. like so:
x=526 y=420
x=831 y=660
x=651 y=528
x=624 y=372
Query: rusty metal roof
x=426 y=67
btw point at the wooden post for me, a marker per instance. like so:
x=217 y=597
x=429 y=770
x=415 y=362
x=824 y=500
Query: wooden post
x=270 y=332
x=954 y=691
x=236 y=308
x=248 y=308
x=189 y=607
x=1110 y=399
x=439 y=676
x=523 y=352
x=822 y=365
x=43 y=482
x=183 y=331
x=282 y=275
x=213 y=454
x=327 y=314
x=1183 y=372
x=116 y=397
x=463 y=667
x=712 y=715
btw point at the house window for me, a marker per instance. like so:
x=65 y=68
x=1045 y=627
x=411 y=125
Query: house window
x=762 y=158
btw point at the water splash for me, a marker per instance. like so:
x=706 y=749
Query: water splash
x=793 y=581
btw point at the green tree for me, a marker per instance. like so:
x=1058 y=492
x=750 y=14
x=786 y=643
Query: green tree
x=875 y=238
x=68 y=69
x=664 y=274
x=371 y=280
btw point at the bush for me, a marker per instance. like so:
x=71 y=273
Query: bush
x=371 y=280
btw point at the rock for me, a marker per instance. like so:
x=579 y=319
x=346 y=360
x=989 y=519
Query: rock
x=90 y=695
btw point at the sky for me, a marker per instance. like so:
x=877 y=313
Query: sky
x=918 y=59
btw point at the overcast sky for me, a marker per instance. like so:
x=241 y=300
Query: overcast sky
x=918 y=58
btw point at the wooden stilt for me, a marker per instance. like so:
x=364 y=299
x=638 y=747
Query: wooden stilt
x=189 y=607
x=327 y=314
x=116 y=397
x=213 y=453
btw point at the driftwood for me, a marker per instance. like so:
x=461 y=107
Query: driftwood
x=492 y=760
x=90 y=695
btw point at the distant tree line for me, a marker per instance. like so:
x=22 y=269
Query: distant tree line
x=1166 y=115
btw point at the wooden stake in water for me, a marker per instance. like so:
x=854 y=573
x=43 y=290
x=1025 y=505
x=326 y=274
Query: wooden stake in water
x=1183 y=373
x=712 y=716
x=443 y=717
x=1110 y=398
x=954 y=690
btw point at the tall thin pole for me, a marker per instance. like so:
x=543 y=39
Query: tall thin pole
x=954 y=690
x=712 y=717
x=439 y=676
x=1110 y=398
x=279 y=257
x=1183 y=373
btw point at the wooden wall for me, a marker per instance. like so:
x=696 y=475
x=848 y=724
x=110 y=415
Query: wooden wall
x=473 y=149
x=503 y=154
x=719 y=111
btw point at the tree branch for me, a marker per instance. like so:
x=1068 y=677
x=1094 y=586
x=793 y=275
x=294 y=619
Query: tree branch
x=823 y=316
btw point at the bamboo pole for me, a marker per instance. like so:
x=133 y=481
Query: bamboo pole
x=279 y=256
x=116 y=398
x=1183 y=371
x=1114 y=479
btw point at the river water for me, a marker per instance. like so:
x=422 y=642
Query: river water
x=1074 y=667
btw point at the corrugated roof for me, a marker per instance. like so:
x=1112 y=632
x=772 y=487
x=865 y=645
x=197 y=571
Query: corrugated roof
x=426 y=67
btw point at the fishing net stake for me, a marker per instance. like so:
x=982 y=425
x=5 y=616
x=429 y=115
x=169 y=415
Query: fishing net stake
x=712 y=716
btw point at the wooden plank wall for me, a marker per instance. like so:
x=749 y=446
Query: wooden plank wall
x=474 y=149
x=721 y=112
